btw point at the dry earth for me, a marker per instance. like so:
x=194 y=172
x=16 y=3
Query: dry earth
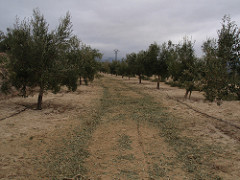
x=119 y=129
x=202 y=120
x=125 y=145
x=25 y=136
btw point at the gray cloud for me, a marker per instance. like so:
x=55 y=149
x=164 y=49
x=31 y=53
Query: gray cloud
x=129 y=25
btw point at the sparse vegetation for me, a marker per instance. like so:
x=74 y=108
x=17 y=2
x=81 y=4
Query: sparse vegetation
x=124 y=142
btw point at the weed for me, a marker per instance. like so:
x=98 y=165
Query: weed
x=128 y=157
x=124 y=142
x=157 y=171
x=129 y=174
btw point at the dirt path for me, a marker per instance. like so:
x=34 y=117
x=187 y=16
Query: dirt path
x=217 y=141
x=138 y=139
x=125 y=145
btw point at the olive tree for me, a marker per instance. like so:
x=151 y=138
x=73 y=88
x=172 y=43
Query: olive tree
x=222 y=62
x=37 y=56
x=187 y=61
x=228 y=53
x=89 y=65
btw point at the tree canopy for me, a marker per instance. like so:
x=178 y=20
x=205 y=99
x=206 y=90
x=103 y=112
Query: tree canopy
x=44 y=59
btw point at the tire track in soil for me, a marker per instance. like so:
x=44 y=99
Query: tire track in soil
x=14 y=114
x=224 y=126
x=203 y=113
x=123 y=147
x=140 y=141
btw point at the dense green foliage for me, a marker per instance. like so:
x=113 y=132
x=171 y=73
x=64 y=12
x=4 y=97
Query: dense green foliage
x=44 y=59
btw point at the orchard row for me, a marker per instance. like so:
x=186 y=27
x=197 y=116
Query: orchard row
x=217 y=73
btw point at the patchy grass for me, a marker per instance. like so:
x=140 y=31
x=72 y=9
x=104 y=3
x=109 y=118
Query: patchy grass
x=194 y=158
x=68 y=159
x=157 y=171
x=197 y=160
x=128 y=157
x=127 y=174
x=124 y=142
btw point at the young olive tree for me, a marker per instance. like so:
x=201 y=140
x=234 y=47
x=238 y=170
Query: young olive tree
x=151 y=58
x=131 y=63
x=114 y=66
x=215 y=72
x=89 y=63
x=173 y=62
x=222 y=62
x=20 y=51
x=123 y=68
x=161 y=63
x=140 y=65
x=152 y=65
x=2 y=37
x=228 y=53
x=187 y=61
x=37 y=55
x=4 y=74
x=82 y=62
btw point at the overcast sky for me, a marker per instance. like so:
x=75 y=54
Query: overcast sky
x=129 y=25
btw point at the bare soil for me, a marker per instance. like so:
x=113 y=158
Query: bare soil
x=118 y=129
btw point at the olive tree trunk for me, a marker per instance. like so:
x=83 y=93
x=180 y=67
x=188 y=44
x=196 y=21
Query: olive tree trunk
x=40 y=96
x=140 y=79
x=80 y=80
x=158 y=82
